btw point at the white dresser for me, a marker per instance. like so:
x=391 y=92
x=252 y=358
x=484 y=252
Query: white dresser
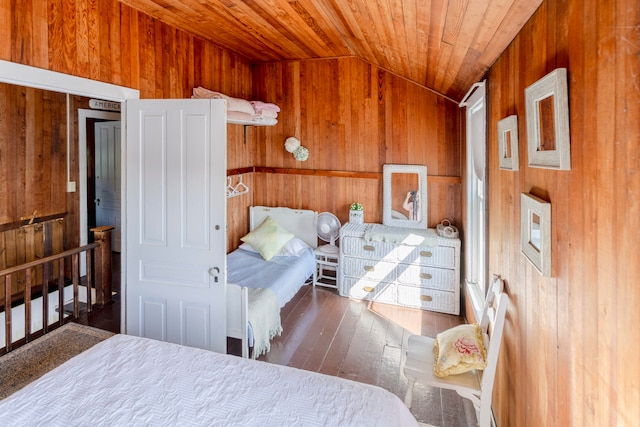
x=412 y=275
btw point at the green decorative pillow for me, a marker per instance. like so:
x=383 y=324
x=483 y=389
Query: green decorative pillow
x=459 y=350
x=268 y=238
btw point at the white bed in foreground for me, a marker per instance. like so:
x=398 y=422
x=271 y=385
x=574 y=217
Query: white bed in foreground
x=127 y=380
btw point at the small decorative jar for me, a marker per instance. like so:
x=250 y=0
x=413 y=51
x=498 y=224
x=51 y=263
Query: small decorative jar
x=356 y=213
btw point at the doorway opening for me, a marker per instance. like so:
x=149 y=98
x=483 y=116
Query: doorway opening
x=25 y=75
x=87 y=122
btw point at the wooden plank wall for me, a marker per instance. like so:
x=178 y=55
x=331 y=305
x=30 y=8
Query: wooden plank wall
x=100 y=40
x=353 y=117
x=571 y=354
x=33 y=147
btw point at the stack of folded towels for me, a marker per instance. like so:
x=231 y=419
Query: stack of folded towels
x=242 y=110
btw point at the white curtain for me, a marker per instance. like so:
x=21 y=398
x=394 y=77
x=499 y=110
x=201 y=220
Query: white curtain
x=476 y=218
x=476 y=127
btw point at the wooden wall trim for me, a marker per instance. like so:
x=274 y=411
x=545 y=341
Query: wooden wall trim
x=240 y=171
x=334 y=174
x=320 y=172
x=443 y=179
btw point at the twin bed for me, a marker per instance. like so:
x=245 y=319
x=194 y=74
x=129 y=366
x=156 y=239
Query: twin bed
x=252 y=313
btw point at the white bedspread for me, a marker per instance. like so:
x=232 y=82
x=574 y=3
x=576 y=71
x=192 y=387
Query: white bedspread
x=128 y=380
x=264 y=318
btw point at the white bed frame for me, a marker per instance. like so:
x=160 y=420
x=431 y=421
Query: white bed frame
x=300 y=222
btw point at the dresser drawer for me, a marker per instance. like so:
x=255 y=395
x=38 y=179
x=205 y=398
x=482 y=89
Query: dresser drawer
x=427 y=299
x=368 y=269
x=370 y=290
x=436 y=256
x=357 y=247
x=395 y=272
x=426 y=277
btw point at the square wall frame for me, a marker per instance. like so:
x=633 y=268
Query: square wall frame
x=508 y=143
x=547 y=106
x=535 y=232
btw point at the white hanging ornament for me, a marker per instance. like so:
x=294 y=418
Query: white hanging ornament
x=291 y=144
x=301 y=153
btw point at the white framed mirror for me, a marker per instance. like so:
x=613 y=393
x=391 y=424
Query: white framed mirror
x=405 y=196
x=535 y=232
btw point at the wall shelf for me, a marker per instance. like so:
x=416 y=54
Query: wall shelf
x=247 y=123
x=244 y=124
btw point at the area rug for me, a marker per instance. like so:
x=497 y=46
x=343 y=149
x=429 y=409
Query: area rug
x=29 y=362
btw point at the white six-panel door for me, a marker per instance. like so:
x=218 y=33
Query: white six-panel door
x=176 y=216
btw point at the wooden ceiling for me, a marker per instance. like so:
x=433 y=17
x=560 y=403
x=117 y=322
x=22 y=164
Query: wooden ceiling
x=444 y=45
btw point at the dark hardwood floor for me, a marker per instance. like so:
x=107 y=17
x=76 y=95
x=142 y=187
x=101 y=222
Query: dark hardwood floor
x=107 y=317
x=338 y=336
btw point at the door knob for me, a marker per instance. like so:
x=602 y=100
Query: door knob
x=213 y=272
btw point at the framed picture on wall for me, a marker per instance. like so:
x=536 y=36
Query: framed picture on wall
x=547 y=106
x=535 y=232
x=508 y=143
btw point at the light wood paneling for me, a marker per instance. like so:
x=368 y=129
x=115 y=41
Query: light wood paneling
x=103 y=40
x=238 y=211
x=33 y=151
x=571 y=345
x=353 y=117
x=445 y=46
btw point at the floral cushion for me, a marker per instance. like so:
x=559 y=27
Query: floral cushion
x=268 y=238
x=458 y=350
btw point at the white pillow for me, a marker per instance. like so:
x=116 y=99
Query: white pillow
x=294 y=247
x=268 y=238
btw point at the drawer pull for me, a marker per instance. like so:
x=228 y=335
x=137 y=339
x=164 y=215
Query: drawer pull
x=425 y=276
x=369 y=268
x=426 y=298
x=368 y=289
x=369 y=248
x=426 y=253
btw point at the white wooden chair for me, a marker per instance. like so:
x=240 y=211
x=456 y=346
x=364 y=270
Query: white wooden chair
x=476 y=386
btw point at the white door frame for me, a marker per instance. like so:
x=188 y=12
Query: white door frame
x=24 y=75
x=83 y=115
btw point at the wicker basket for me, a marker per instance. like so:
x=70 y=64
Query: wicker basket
x=446 y=229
